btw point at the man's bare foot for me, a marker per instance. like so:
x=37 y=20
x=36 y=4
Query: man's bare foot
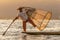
x=23 y=31
x=40 y=28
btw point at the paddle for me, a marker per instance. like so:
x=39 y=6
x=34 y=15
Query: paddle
x=10 y=25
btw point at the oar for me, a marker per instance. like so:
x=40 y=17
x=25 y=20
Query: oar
x=10 y=25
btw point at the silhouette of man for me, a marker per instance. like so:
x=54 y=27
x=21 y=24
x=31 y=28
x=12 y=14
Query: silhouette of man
x=23 y=15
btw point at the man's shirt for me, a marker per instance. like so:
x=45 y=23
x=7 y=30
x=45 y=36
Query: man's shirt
x=23 y=15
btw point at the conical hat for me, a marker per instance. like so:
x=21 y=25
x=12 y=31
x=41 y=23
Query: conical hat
x=41 y=18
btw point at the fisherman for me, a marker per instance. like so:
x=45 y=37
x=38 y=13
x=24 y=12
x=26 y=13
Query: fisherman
x=25 y=16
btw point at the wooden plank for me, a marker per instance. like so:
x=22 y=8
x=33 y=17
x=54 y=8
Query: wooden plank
x=42 y=33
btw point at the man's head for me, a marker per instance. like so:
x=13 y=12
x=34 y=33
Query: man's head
x=20 y=9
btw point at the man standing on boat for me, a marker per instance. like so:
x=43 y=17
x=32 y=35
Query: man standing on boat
x=24 y=16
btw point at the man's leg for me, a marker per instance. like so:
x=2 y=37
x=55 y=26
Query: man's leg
x=31 y=22
x=24 y=26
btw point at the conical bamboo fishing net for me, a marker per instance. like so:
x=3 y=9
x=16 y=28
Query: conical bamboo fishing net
x=41 y=18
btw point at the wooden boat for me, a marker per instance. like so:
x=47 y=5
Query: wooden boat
x=42 y=33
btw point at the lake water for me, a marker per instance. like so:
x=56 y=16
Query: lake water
x=14 y=32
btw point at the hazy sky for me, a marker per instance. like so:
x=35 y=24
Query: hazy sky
x=8 y=7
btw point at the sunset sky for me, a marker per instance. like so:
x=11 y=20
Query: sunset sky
x=8 y=8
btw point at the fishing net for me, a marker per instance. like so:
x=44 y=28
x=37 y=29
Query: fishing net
x=40 y=18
